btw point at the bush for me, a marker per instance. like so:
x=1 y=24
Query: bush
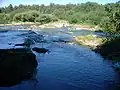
x=111 y=23
x=76 y=18
x=110 y=49
x=60 y=13
x=46 y=18
x=29 y=16
x=92 y=17
x=4 y=18
x=72 y=20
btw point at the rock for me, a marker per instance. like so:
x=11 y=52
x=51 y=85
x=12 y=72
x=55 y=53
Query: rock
x=34 y=36
x=40 y=50
x=27 y=43
x=16 y=65
x=117 y=65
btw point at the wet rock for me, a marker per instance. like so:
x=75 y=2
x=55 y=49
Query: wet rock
x=117 y=66
x=36 y=37
x=33 y=35
x=16 y=65
x=40 y=50
x=27 y=43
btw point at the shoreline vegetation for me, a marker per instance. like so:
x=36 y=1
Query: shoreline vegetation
x=78 y=16
x=92 y=41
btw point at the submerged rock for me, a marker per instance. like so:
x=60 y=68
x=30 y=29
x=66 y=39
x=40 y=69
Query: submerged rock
x=27 y=43
x=40 y=50
x=16 y=65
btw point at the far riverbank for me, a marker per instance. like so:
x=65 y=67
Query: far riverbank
x=60 y=24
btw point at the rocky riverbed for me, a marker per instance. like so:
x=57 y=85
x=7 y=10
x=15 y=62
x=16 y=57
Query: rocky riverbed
x=46 y=57
x=17 y=61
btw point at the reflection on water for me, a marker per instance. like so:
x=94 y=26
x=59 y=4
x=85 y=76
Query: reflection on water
x=67 y=66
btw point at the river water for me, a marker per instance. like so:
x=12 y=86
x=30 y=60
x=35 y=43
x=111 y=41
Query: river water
x=66 y=66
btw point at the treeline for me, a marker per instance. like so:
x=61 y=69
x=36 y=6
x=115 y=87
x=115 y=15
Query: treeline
x=111 y=23
x=89 y=12
x=107 y=16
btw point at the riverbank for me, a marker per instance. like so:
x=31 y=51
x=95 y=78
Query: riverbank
x=58 y=24
x=109 y=48
x=92 y=41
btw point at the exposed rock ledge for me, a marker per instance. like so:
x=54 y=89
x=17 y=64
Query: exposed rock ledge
x=16 y=65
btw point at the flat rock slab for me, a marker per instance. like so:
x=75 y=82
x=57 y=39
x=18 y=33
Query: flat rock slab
x=18 y=39
x=16 y=65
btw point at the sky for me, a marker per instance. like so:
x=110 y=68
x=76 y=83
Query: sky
x=46 y=2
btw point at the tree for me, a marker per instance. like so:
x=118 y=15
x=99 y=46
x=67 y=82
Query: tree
x=111 y=24
x=60 y=13
x=9 y=8
x=28 y=16
x=87 y=13
x=0 y=10
x=46 y=18
x=4 y=18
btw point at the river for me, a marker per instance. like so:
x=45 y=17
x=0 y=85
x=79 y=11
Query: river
x=66 y=66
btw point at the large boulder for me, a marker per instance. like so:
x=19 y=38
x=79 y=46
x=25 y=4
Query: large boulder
x=16 y=65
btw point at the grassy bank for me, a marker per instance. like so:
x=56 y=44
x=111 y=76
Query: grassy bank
x=92 y=41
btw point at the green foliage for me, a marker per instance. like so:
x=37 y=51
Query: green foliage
x=72 y=19
x=60 y=13
x=110 y=49
x=93 y=18
x=28 y=16
x=4 y=18
x=90 y=13
x=106 y=25
x=9 y=8
x=111 y=23
x=18 y=10
x=46 y=18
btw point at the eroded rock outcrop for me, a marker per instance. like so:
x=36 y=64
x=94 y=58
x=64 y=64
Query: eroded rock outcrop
x=16 y=65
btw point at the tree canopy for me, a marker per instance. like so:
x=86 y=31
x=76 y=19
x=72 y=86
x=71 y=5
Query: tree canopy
x=106 y=16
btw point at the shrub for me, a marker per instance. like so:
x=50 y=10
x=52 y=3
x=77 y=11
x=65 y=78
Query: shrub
x=46 y=18
x=29 y=16
x=4 y=18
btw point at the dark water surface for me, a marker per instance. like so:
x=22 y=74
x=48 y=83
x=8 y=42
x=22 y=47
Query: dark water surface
x=66 y=66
